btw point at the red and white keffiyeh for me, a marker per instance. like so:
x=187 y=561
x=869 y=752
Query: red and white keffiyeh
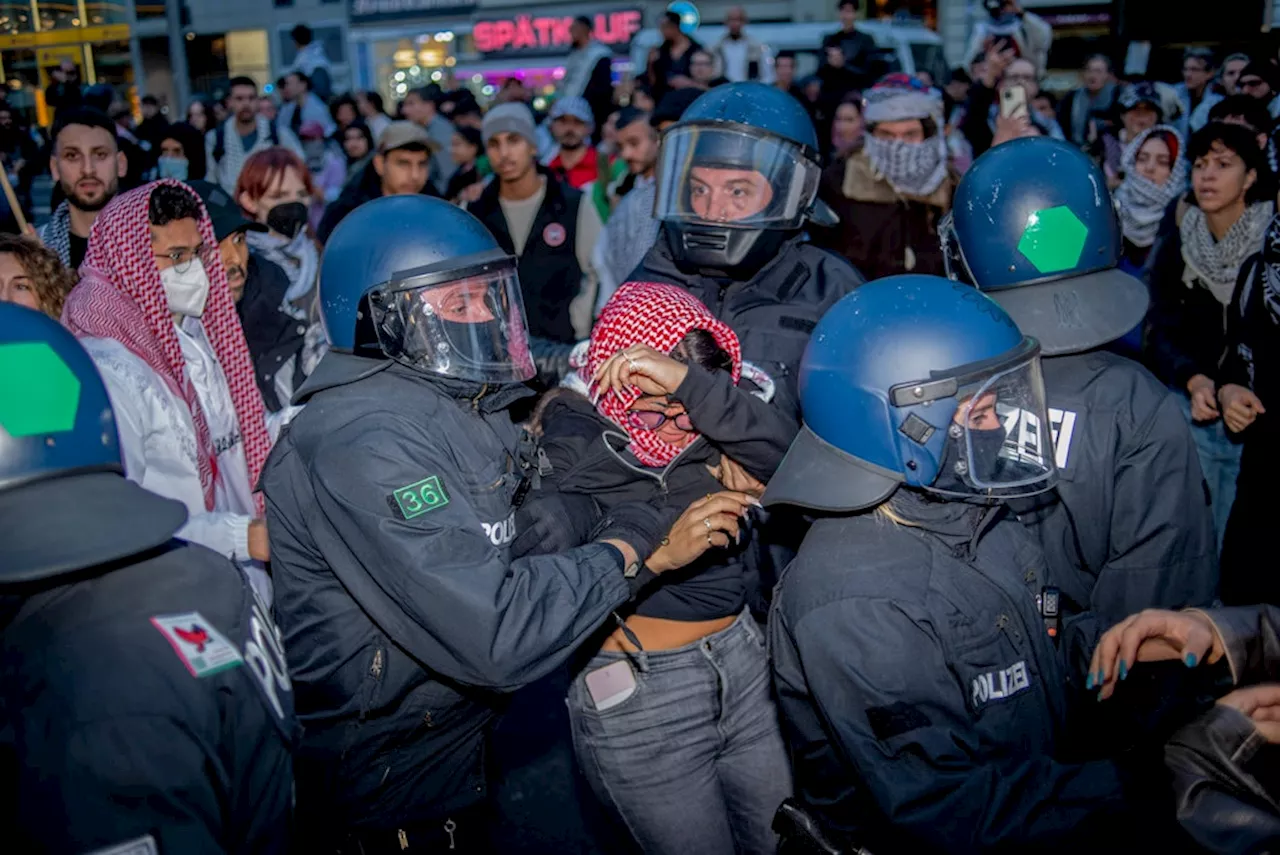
x=659 y=316
x=120 y=296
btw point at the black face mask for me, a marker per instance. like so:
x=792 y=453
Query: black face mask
x=480 y=343
x=288 y=219
x=953 y=471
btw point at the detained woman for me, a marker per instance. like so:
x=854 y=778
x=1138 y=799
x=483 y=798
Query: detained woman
x=33 y=276
x=673 y=721
x=923 y=672
x=1192 y=274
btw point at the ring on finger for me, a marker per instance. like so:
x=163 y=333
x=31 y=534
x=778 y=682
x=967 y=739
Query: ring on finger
x=707 y=522
x=632 y=364
x=710 y=542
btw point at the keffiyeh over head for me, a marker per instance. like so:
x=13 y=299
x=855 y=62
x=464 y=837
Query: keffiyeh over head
x=659 y=316
x=1141 y=202
x=121 y=297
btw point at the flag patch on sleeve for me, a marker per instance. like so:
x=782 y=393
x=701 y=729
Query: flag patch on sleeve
x=201 y=648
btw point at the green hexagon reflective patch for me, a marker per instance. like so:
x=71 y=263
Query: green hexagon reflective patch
x=1053 y=239
x=39 y=393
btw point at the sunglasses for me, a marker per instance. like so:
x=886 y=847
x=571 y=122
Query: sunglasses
x=651 y=420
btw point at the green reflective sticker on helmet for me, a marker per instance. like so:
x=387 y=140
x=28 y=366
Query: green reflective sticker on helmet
x=1053 y=239
x=39 y=393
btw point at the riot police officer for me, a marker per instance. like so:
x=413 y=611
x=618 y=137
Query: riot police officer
x=391 y=503
x=736 y=183
x=922 y=693
x=145 y=705
x=1034 y=228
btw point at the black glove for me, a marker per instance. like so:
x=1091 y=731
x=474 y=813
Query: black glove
x=640 y=525
x=551 y=359
x=549 y=522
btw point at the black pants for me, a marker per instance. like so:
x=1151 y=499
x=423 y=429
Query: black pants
x=1249 y=571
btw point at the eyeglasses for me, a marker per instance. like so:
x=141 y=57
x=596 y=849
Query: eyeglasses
x=182 y=257
x=651 y=420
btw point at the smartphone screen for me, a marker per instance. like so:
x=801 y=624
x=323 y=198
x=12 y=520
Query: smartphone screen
x=1013 y=102
x=611 y=685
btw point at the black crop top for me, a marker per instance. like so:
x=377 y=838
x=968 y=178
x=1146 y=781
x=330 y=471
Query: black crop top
x=588 y=456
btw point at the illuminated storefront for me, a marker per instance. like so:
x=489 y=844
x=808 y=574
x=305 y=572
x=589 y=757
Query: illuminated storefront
x=458 y=46
x=37 y=36
x=534 y=47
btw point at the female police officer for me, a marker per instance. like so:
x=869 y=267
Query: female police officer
x=1033 y=227
x=923 y=691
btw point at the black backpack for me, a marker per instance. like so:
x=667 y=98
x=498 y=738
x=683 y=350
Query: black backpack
x=220 y=139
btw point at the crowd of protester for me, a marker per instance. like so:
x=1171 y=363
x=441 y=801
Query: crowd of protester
x=186 y=257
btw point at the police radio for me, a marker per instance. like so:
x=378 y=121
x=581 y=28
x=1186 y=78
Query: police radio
x=1049 y=603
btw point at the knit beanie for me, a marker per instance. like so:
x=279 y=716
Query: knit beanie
x=510 y=118
x=897 y=97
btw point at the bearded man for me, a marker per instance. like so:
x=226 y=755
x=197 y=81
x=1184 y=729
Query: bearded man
x=87 y=164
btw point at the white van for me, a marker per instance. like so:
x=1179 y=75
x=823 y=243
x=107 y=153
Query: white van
x=904 y=46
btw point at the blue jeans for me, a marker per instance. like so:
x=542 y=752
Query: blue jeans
x=693 y=762
x=1220 y=463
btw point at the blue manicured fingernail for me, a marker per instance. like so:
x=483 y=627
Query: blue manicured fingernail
x=1124 y=670
x=1088 y=684
x=1191 y=660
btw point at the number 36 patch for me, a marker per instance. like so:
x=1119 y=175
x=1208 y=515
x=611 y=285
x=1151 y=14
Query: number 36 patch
x=416 y=499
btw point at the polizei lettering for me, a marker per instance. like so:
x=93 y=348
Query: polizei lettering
x=501 y=533
x=999 y=685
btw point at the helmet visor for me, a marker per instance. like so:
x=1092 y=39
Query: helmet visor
x=998 y=445
x=469 y=327
x=734 y=176
x=1001 y=430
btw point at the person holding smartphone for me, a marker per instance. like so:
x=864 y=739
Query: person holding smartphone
x=1000 y=102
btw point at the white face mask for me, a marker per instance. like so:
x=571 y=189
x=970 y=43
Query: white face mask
x=187 y=292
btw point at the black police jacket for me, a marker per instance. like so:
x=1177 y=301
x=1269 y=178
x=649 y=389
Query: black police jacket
x=774 y=312
x=550 y=277
x=1128 y=526
x=1223 y=770
x=390 y=511
x=923 y=699
x=148 y=704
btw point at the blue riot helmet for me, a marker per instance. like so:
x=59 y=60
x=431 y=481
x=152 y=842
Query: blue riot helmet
x=737 y=175
x=56 y=425
x=921 y=381
x=1033 y=226
x=423 y=282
